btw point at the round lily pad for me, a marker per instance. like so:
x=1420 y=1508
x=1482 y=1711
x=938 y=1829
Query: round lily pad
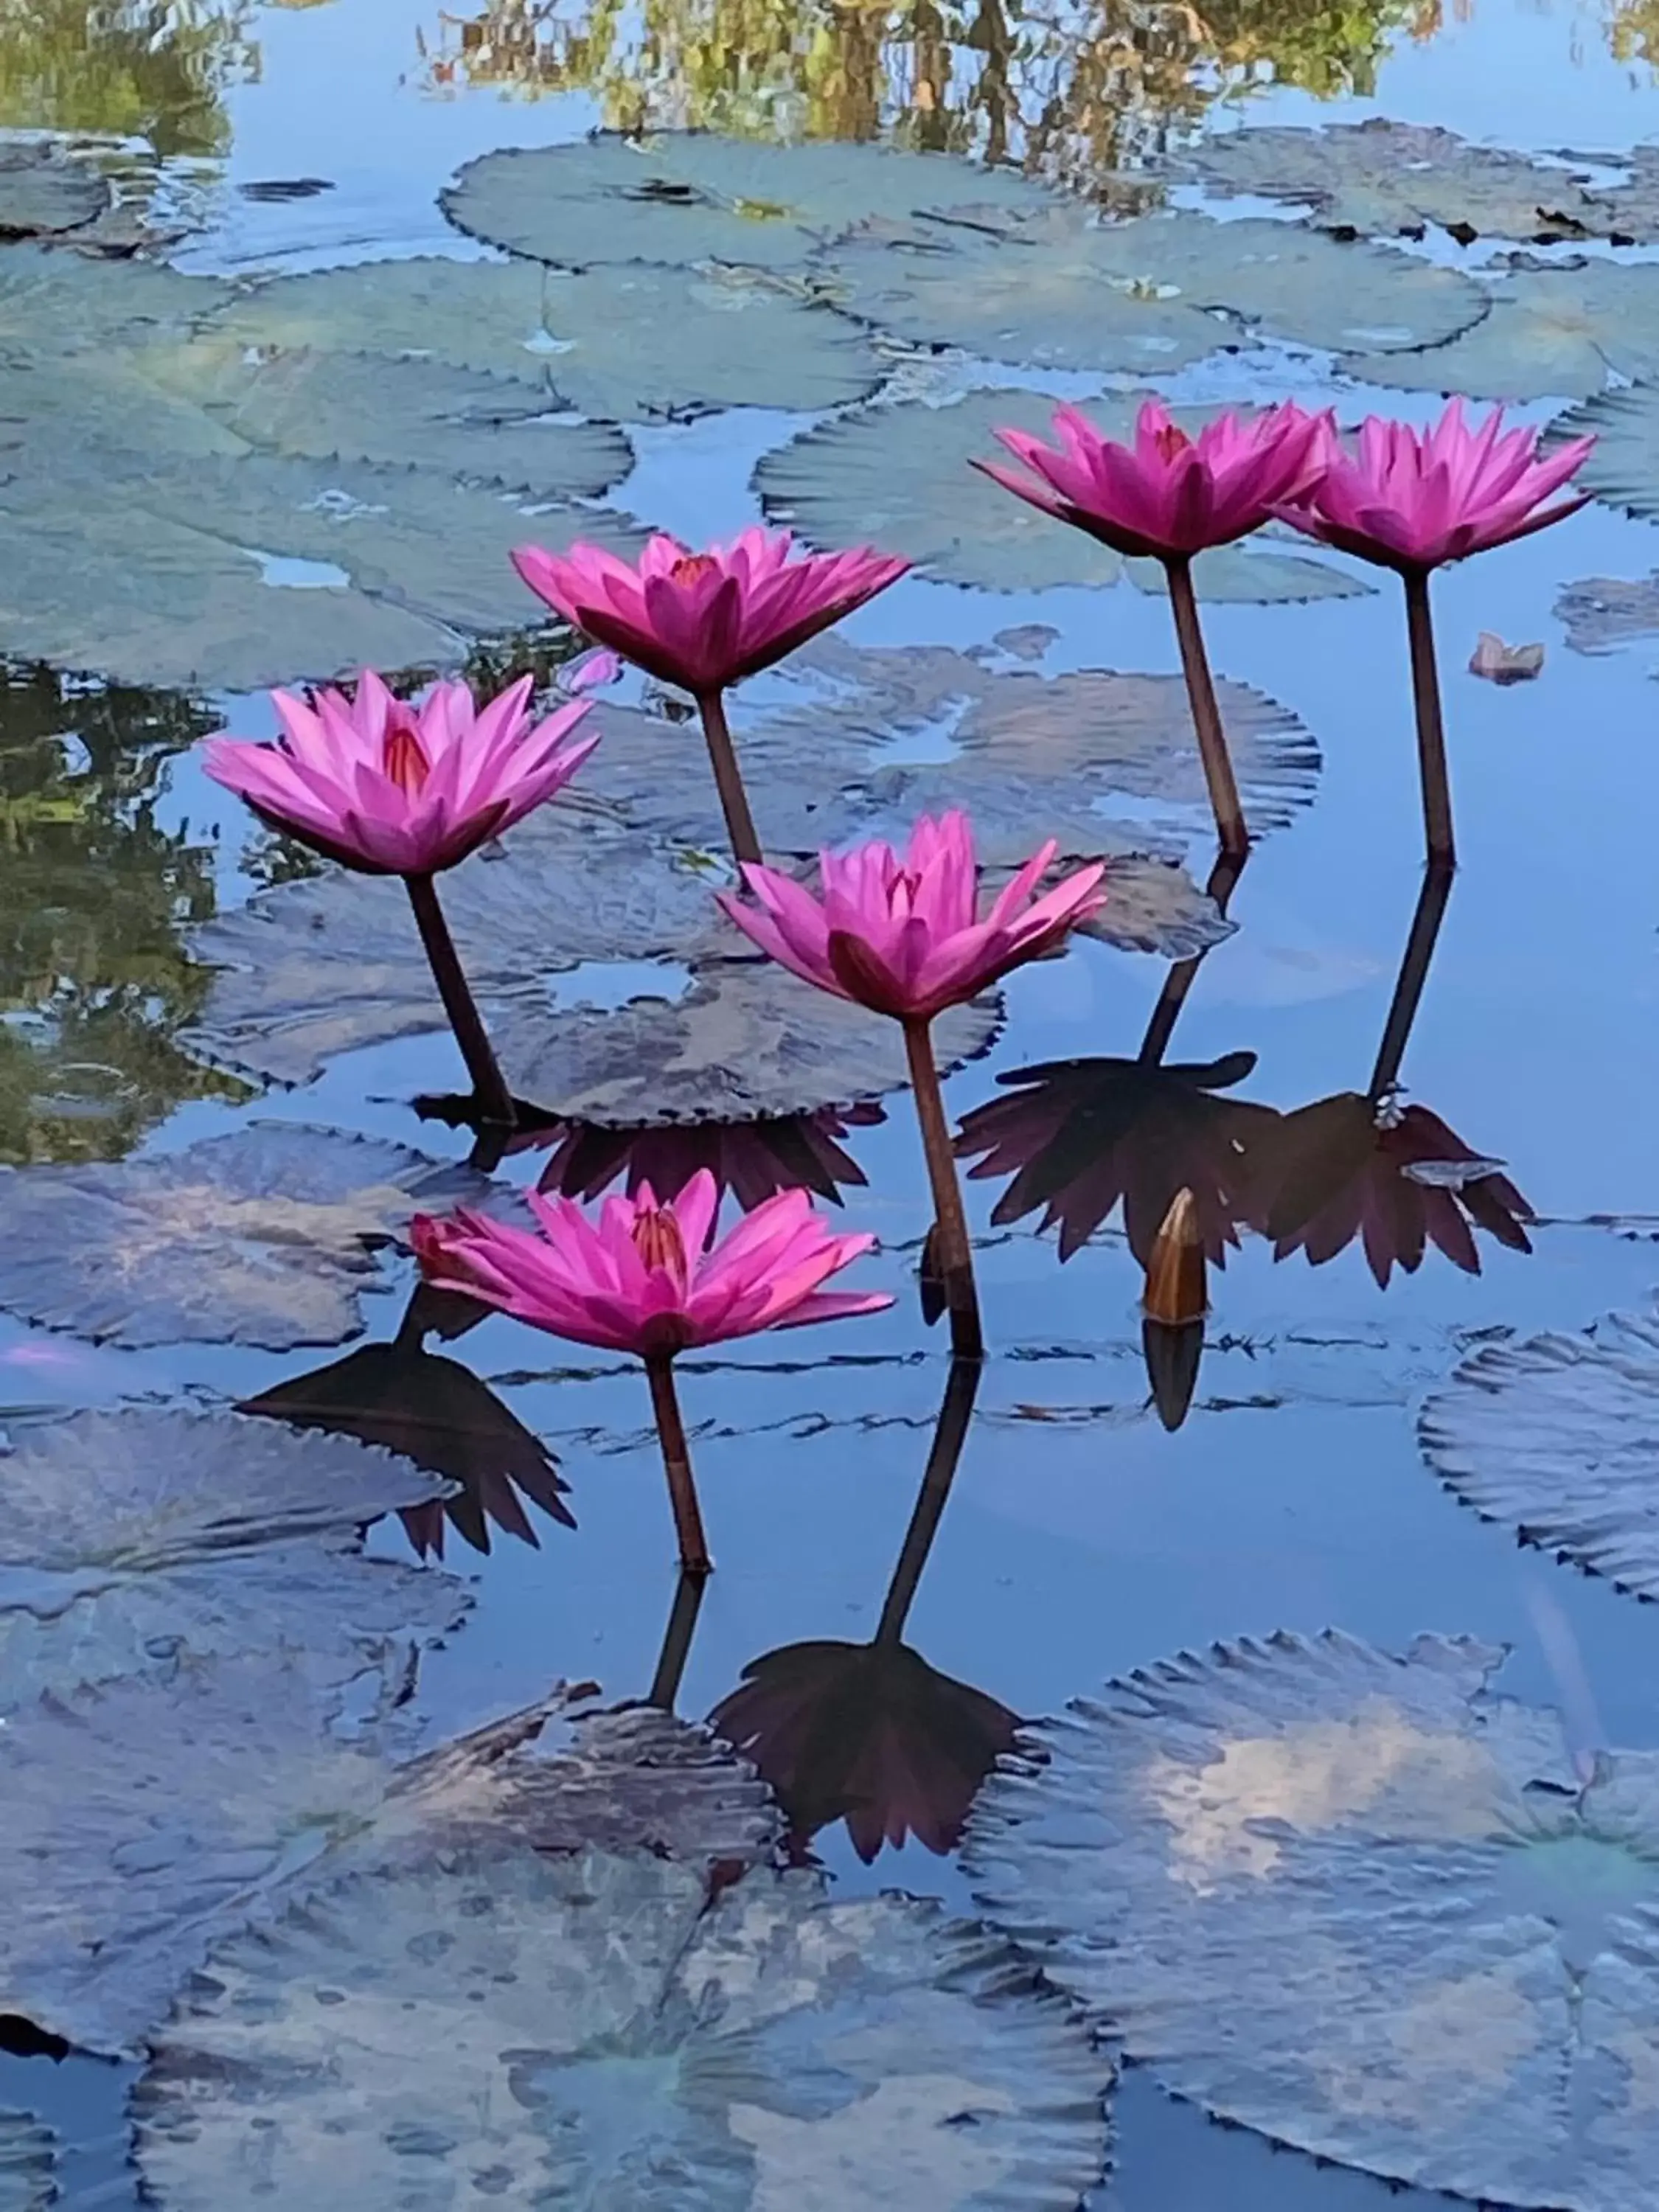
x=1558 y=1437
x=1381 y=178
x=1553 y=331
x=265 y=1236
x=28 y=2158
x=55 y=303
x=591 y=2031
x=1603 y=612
x=1359 y=1902
x=1624 y=467
x=687 y=196
x=43 y=193
x=661 y=1020
x=1060 y=291
x=622 y=342
x=900 y=476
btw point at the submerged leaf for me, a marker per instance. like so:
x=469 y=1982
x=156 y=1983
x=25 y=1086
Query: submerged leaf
x=265 y=1237
x=1359 y=1903
x=900 y=475
x=589 y=2031
x=686 y=196
x=1558 y=1437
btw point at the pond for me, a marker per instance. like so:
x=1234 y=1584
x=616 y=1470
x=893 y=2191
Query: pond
x=1329 y=1878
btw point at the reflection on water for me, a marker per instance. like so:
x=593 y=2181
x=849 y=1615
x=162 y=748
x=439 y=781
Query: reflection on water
x=122 y=67
x=93 y=893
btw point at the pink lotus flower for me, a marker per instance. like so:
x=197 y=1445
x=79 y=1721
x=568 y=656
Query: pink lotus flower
x=902 y=935
x=705 y=620
x=1167 y=495
x=1412 y=500
x=392 y=789
x=647 y=1278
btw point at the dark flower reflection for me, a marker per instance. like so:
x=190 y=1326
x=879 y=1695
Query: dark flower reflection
x=753 y=1160
x=438 y=1414
x=869 y=1733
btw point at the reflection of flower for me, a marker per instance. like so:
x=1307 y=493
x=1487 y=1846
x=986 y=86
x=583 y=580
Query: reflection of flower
x=1078 y=1135
x=753 y=1160
x=438 y=1414
x=1394 y=1177
x=869 y=1734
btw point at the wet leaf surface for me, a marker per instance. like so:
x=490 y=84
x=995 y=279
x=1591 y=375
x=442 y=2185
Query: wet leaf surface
x=686 y=197
x=1558 y=1437
x=42 y=193
x=1624 y=467
x=1603 y=612
x=265 y=1236
x=900 y=475
x=1357 y=1903
x=626 y=342
x=1555 y=331
x=28 y=2154
x=585 y=2028
x=1055 y=291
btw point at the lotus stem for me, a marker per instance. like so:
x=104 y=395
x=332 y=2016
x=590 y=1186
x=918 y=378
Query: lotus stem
x=676 y=1465
x=950 y=1245
x=1224 y=878
x=1206 y=715
x=1413 y=973
x=728 y=779
x=676 y=1641
x=1431 y=726
x=494 y=1099
x=950 y=1434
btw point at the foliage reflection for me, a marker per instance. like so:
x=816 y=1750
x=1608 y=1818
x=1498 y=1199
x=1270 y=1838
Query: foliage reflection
x=124 y=68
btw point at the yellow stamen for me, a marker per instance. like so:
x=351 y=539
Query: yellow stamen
x=657 y=1241
x=403 y=758
x=692 y=567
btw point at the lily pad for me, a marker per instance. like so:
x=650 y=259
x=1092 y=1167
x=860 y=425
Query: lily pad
x=1057 y=291
x=1359 y=1902
x=712 y=1037
x=624 y=343
x=687 y=196
x=1381 y=178
x=1558 y=1437
x=43 y=194
x=900 y=476
x=265 y=1236
x=1603 y=612
x=589 y=2033
x=134 y=1541
x=28 y=2158
x=55 y=303
x=1556 y=330
x=1624 y=467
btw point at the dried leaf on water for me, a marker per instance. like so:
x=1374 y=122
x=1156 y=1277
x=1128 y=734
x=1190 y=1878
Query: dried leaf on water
x=586 y=2030
x=1359 y=1903
x=1503 y=663
x=266 y=1237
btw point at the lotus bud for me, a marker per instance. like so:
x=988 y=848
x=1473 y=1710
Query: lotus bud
x=1175 y=1292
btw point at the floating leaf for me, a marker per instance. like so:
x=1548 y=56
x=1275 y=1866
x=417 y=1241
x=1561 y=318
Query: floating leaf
x=1558 y=1437
x=900 y=476
x=685 y=197
x=712 y=1037
x=620 y=344
x=1060 y=291
x=135 y=1539
x=1556 y=330
x=1623 y=468
x=42 y=193
x=1606 y=612
x=1359 y=1903
x=1381 y=178
x=28 y=2158
x=263 y=1237
x=588 y=2032
x=55 y=304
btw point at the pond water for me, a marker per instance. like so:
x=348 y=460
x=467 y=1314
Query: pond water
x=1081 y=1539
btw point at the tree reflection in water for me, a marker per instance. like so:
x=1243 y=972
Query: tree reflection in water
x=124 y=68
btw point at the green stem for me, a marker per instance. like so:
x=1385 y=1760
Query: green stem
x=676 y=1465
x=493 y=1099
x=728 y=779
x=1413 y=975
x=676 y=1641
x=950 y=1434
x=955 y=1254
x=1431 y=726
x=1206 y=715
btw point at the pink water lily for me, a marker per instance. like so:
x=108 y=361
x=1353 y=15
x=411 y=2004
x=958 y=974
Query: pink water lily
x=392 y=788
x=1166 y=494
x=1411 y=499
x=903 y=933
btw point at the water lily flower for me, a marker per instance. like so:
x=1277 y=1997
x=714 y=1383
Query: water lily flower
x=706 y=620
x=1165 y=497
x=903 y=936
x=391 y=788
x=1413 y=499
x=652 y=1279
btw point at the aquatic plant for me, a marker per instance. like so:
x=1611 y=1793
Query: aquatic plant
x=903 y=937
x=1411 y=500
x=387 y=788
x=652 y=1280
x=1167 y=497
x=706 y=620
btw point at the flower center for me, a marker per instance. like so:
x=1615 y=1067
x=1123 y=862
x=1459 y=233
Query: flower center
x=692 y=567
x=1171 y=442
x=657 y=1241
x=403 y=758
